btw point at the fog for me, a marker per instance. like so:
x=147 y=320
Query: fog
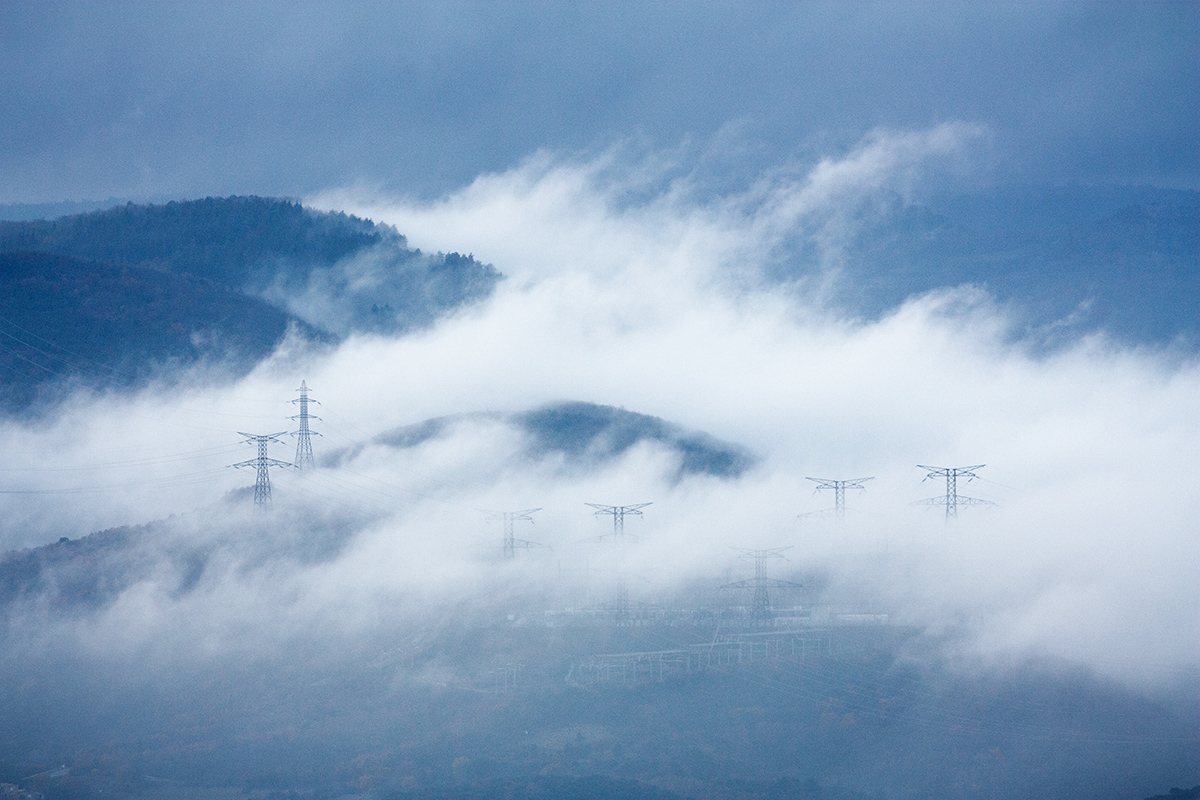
x=627 y=286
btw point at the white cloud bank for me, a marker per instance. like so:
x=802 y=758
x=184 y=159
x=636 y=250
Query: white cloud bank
x=646 y=300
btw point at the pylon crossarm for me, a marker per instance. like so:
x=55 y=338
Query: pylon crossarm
x=932 y=501
x=270 y=462
x=254 y=438
x=849 y=483
x=774 y=552
x=633 y=509
x=515 y=515
x=768 y=583
x=526 y=544
x=943 y=472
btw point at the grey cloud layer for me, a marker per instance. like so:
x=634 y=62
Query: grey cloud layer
x=143 y=99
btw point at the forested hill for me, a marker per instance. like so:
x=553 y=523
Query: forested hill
x=68 y=321
x=1132 y=271
x=220 y=239
x=111 y=296
x=337 y=272
x=586 y=435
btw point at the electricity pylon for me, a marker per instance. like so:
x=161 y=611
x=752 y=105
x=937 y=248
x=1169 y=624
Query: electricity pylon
x=839 y=491
x=262 y=483
x=508 y=518
x=952 y=499
x=618 y=513
x=304 y=455
x=760 y=606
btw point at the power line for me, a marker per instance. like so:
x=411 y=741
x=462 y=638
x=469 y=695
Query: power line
x=760 y=605
x=952 y=499
x=262 y=464
x=618 y=513
x=839 y=491
x=304 y=455
x=511 y=544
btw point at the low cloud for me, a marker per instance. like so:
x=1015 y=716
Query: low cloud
x=651 y=304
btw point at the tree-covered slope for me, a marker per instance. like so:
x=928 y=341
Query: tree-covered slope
x=1132 y=271
x=111 y=297
x=67 y=320
x=586 y=435
x=337 y=272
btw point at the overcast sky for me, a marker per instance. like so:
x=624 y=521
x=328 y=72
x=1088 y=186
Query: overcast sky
x=157 y=100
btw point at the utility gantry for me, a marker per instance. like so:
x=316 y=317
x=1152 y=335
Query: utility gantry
x=839 y=491
x=952 y=499
x=511 y=544
x=618 y=513
x=262 y=482
x=760 y=605
x=304 y=454
x=620 y=605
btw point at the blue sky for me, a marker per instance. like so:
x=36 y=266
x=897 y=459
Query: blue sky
x=154 y=100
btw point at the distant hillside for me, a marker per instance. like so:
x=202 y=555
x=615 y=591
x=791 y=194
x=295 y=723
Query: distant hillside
x=1133 y=271
x=89 y=571
x=587 y=434
x=110 y=297
x=67 y=320
x=335 y=271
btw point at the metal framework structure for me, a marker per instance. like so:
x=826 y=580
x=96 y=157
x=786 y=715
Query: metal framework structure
x=760 y=605
x=262 y=464
x=618 y=513
x=725 y=653
x=511 y=543
x=620 y=603
x=839 y=491
x=304 y=454
x=952 y=499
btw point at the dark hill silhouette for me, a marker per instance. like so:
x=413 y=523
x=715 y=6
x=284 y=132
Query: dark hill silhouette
x=586 y=434
x=108 y=297
x=1133 y=271
x=66 y=321
x=364 y=275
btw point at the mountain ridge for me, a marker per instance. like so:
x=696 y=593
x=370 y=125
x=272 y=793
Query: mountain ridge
x=108 y=297
x=589 y=434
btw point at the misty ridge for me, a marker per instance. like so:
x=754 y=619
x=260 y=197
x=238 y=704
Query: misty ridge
x=139 y=291
x=368 y=632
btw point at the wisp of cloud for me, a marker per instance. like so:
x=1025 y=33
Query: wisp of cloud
x=659 y=302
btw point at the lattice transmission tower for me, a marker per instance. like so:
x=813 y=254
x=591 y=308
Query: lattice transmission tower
x=952 y=499
x=618 y=513
x=620 y=604
x=511 y=543
x=760 y=605
x=304 y=454
x=262 y=464
x=839 y=491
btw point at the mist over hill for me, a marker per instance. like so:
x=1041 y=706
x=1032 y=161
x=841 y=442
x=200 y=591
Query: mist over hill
x=67 y=323
x=114 y=668
x=112 y=296
x=1121 y=260
x=392 y=628
x=586 y=435
x=363 y=275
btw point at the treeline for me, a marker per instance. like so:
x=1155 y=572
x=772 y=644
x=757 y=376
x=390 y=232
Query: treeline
x=221 y=239
x=111 y=297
